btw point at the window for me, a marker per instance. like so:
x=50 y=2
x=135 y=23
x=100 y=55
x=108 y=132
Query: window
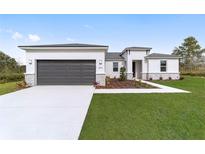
x=163 y=65
x=115 y=66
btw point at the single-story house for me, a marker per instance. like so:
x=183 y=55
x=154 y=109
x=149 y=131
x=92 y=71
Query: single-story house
x=82 y=64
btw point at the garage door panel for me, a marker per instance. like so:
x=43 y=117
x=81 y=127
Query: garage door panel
x=65 y=72
x=61 y=81
x=49 y=73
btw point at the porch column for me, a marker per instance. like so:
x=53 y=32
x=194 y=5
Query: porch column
x=129 y=70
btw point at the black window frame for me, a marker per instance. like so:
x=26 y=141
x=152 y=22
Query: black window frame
x=163 y=66
x=114 y=68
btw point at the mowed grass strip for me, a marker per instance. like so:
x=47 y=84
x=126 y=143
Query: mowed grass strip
x=149 y=116
x=7 y=87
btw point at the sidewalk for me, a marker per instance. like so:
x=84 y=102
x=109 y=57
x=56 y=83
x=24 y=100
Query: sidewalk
x=159 y=89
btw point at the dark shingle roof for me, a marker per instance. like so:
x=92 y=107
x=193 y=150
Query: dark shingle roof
x=66 y=45
x=113 y=56
x=160 y=55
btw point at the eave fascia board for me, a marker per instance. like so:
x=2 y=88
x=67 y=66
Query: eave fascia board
x=162 y=57
x=62 y=48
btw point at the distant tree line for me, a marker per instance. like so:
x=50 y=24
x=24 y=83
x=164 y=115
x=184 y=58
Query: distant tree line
x=10 y=70
x=9 y=64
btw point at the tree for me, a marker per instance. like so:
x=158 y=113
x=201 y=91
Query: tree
x=8 y=64
x=122 y=74
x=190 y=51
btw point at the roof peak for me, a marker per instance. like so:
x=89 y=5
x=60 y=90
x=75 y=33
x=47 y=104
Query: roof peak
x=136 y=48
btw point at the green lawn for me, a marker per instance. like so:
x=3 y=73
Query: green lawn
x=149 y=116
x=7 y=87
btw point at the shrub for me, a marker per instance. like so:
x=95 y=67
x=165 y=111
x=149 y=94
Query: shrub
x=181 y=78
x=195 y=74
x=11 y=77
x=137 y=85
x=170 y=78
x=122 y=74
x=22 y=85
x=95 y=83
x=140 y=82
x=161 y=78
x=107 y=80
x=2 y=81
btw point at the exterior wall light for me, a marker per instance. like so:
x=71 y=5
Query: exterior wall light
x=30 y=61
x=100 y=62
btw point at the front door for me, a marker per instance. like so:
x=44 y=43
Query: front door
x=133 y=69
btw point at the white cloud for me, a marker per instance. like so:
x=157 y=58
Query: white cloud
x=34 y=38
x=70 y=39
x=88 y=26
x=9 y=31
x=6 y=30
x=17 y=36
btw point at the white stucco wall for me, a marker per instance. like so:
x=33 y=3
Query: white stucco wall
x=109 y=68
x=150 y=67
x=131 y=56
x=34 y=55
x=172 y=65
x=64 y=54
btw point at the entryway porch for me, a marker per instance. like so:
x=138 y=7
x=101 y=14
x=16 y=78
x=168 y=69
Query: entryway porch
x=137 y=69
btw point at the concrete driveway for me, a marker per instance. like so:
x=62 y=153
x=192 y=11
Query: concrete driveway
x=44 y=112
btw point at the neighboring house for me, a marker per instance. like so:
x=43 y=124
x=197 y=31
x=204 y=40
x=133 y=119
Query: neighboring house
x=82 y=64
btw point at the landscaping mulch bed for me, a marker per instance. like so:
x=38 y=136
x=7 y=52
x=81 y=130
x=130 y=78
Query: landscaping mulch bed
x=117 y=84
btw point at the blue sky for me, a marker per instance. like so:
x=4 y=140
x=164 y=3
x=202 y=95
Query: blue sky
x=161 y=32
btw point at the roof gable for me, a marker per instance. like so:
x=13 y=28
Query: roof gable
x=136 y=49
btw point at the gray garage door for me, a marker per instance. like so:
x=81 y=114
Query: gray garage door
x=65 y=72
